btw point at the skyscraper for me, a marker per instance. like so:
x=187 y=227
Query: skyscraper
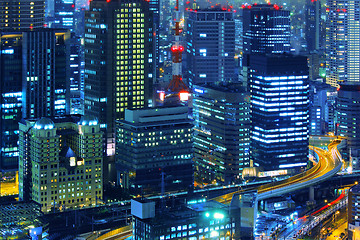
x=353 y=216
x=210 y=46
x=313 y=24
x=266 y=29
x=221 y=134
x=154 y=144
x=347 y=115
x=64 y=11
x=342 y=42
x=11 y=99
x=34 y=82
x=119 y=51
x=320 y=107
x=60 y=163
x=279 y=91
x=45 y=73
x=22 y=14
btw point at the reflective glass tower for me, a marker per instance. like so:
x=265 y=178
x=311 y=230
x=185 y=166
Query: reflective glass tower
x=279 y=91
x=221 y=136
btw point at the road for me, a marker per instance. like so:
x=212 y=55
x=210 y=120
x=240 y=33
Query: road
x=329 y=164
x=9 y=188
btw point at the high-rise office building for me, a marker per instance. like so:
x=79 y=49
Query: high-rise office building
x=154 y=145
x=210 y=46
x=266 y=29
x=353 y=215
x=45 y=73
x=60 y=161
x=34 y=82
x=347 y=121
x=342 y=42
x=313 y=24
x=279 y=91
x=154 y=6
x=22 y=14
x=64 y=11
x=76 y=76
x=221 y=133
x=11 y=99
x=321 y=107
x=119 y=58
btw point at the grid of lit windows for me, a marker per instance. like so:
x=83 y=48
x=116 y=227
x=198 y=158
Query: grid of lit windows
x=342 y=42
x=220 y=114
x=130 y=57
x=280 y=111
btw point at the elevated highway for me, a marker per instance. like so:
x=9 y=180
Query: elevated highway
x=329 y=164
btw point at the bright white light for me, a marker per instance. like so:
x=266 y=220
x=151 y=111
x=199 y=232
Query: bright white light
x=214 y=234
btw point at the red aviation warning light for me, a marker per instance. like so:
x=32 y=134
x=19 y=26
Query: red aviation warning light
x=176 y=88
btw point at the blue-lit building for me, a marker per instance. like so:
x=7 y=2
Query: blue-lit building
x=210 y=46
x=11 y=100
x=64 y=11
x=279 y=91
x=33 y=83
x=204 y=220
x=313 y=24
x=76 y=76
x=266 y=29
x=347 y=119
x=221 y=133
x=321 y=107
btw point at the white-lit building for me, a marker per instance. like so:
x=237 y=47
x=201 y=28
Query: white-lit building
x=279 y=92
x=342 y=41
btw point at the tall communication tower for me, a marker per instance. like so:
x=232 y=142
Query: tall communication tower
x=176 y=88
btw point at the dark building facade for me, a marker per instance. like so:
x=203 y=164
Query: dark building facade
x=266 y=29
x=347 y=115
x=34 y=82
x=210 y=46
x=221 y=133
x=154 y=145
x=279 y=91
x=313 y=24
x=119 y=51
x=64 y=11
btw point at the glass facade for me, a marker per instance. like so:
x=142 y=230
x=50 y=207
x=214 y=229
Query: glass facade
x=342 y=42
x=210 y=47
x=221 y=134
x=279 y=90
x=119 y=52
